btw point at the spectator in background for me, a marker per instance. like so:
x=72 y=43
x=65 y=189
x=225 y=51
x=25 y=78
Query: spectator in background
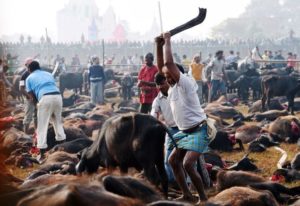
x=96 y=81
x=217 y=66
x=4 y=83
x=127 y=84
x=291 y=64
x=75 y=63
x=208 y=59
x=279 y=57
x=185 y=62
x=238 y=56
x=265 y=55
x=255 y=55
x=195 y=70
x=30 y=107
x=231 y=58
x=177 y=58
x=146 y=84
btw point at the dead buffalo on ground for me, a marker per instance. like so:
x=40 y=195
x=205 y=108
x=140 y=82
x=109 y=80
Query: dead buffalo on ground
x=225 y=112
x=295 y=163
x=225 y=142
x=270 y=115
x=228 y=179
x=13 y=139
x=285 y=128
x=289 y=175
x=261 y=143
x=51 y=179
x=59 y=157
x=70 y=80
x=242 y=196
x=245 y=164
x=130 y=187
x=8 y=182
x=247 y=133
x=63 y=168
x=70 y=99
x=72 y=133
x=72 y=147
x=76 y=194
x=129 y=140
x=275 y=103
x=274 y=85
x=214 y=159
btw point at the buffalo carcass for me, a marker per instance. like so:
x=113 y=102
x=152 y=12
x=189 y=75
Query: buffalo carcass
x=70 y=80
x=274 y=85
x=241 y=196
x=129 y=140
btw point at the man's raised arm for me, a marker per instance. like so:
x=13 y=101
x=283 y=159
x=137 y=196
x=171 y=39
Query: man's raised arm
x=169 y=62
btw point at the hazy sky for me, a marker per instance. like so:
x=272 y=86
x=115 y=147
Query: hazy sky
x=33 y=16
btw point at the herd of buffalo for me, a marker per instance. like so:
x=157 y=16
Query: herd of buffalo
x=114 y=155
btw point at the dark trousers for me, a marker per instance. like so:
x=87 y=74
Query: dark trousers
x=145 y=108
x=126 y=91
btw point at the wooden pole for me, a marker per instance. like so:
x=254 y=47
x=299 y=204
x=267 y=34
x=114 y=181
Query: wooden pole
x=160 y=18
x=103 y=53
x=47 y=43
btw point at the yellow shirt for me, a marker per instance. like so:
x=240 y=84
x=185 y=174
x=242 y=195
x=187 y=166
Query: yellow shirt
x=196 y=70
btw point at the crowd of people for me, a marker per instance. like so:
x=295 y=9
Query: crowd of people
x=130 y=53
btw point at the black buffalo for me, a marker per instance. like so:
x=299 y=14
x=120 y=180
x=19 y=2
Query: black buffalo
x=70 y=80
x=129 y=140
x=274 y=85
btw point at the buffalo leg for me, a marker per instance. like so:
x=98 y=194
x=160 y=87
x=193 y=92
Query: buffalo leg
x=291 y=104
x=263 y=102
x=160 y=166
x=241 y=146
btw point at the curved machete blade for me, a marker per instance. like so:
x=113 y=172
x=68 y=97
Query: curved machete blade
x=194 y=22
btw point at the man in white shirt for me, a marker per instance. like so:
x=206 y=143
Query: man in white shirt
x=217 y=66
x=161 y=108
x=192 y=140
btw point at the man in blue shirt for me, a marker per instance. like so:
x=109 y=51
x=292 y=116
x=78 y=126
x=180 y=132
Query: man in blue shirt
x=96 y=80
x=42 y=89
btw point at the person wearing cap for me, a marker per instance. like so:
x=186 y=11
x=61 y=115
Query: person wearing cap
x=41 y=87
x=146 y=84
x=192 y=140
x=30 y=107
x=96 y=81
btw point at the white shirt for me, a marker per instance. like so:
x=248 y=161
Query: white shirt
x=162 y=106
x=217 y=69
x=184 y=102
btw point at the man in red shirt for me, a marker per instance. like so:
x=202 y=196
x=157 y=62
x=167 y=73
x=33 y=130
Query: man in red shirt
x=146 y=84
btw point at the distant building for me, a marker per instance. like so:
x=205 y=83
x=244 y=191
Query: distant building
x=80 y=18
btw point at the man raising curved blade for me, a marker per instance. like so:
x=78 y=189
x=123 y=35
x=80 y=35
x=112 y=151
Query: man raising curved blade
x=192 y=140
